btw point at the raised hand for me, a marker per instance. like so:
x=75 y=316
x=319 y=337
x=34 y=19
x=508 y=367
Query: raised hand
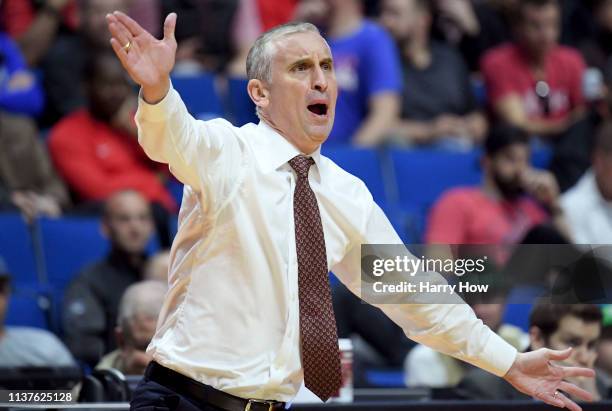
x=147 y=60
x=535 y=374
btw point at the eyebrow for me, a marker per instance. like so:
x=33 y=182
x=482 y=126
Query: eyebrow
x=308 y=60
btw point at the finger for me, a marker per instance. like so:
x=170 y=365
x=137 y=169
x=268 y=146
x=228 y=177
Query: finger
x=169 y=26
x=558 y=355
x=551 y=399
x=577 y=372
x=119 y=51
x=567 y=403
x=119 y=32
x=575 y=391
x=133 y=27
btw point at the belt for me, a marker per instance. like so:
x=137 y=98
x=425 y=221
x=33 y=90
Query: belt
x=206 y=394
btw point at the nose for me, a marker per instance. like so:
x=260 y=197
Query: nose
x=319 y=81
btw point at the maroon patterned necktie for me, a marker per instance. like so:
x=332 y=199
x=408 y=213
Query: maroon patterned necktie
x=320 y=353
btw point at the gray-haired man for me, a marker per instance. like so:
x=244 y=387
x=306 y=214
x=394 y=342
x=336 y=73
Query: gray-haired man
x=248 y=316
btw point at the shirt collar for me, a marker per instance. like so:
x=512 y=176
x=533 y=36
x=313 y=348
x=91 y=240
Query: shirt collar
x=273 y=150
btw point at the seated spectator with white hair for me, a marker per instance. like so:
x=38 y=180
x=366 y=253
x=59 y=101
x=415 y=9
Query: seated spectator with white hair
x=138 y=312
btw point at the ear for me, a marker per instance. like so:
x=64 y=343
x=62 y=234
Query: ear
x=259 y=93
x=536 y=338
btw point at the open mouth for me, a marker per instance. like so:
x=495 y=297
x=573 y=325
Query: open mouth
x=318 y=109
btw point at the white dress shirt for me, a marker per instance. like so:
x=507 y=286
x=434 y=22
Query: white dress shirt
x=231 y=315
x=589 y=215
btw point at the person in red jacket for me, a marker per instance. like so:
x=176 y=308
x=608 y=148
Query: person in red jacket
x=96 y=149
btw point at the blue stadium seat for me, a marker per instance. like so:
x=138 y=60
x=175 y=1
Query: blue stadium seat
x=518 y=305
x=363 y=163
x=541 y=157
x=241 y=106
x=17 y=249
x=70 y=244
x=27 y=308
x=199 y=94
x=422 y=175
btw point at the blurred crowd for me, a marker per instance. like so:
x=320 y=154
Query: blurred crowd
x=501 y=76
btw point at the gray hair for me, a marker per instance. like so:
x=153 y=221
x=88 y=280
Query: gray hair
x=144 y=298
x=259 y=59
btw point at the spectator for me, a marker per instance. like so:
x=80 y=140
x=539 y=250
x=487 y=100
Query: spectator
x=505 y=207
x=57 y=35
x=474 y=27
x=27 y=346
x=36 y=25
x=96 y=149
x=157 y=267
x=425 y=367
x=593 y=193
x=554 y=327
x=534 y=83
x=91 y=301
x=367 y=67
x=138 y=311
x=19 y=90
x=35 y=190
x=64 y=62
x=438 y=101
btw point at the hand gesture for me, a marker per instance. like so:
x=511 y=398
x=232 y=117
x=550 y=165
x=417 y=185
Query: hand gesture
x=542 y=185
x=534 y=374
x=147 y=60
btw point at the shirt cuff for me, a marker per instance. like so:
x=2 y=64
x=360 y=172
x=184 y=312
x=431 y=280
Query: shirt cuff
x=497 y=356
x=158 y=111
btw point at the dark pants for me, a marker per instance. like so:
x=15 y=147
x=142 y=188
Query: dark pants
x=151 y=396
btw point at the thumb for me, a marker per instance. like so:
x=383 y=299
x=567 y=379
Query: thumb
x=559 y=355
x=169 y=26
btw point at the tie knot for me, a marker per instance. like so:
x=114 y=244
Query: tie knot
x=301 y=164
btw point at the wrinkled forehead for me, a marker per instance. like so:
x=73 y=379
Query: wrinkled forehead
x=297 y=46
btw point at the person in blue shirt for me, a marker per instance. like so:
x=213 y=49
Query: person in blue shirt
x=20 y=93
x=368 y=70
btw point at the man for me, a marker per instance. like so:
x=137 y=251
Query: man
x=27 y=346
x=513 y=198
x=95 y=149
x=438 y=104
x=551 y=326
x=534 y=83
x=369 y=100
x=249 y=285
x=91 y=301
x=593 y=193
x=138 y=312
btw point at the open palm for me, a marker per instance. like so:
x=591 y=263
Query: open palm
x=148 y=60
x=535 y=374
